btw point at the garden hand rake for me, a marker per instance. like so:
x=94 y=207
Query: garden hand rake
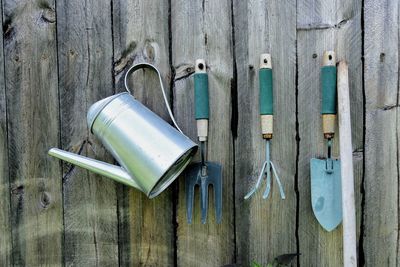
x=266 y=112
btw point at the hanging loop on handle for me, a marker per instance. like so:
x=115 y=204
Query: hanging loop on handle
x=150 y=66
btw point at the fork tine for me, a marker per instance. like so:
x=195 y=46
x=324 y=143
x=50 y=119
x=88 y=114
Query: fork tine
x=189 y=199
x=204 y=200
x=217 y=187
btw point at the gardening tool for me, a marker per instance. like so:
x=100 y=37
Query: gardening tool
x=150 y=151
x=326 y=191
x=266 y=112
x=347 y=173
x=203 y=173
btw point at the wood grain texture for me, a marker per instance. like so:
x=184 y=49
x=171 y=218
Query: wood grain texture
x=381 y=183
x=265 y=228
x=53 y=214
x=346 y=167
x=5 y=215
x=331 y=25
x=33 y=127
x=141 y=35
x=85 y=76
x=203 y=30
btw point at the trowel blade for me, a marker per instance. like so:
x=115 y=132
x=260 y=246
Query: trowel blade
x=326 y=193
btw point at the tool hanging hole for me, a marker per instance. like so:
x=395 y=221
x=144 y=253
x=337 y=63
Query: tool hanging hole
x=201 y=66
x=265 y=60
x=330 y=57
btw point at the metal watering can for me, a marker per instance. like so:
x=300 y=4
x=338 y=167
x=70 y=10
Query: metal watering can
x=150 y=151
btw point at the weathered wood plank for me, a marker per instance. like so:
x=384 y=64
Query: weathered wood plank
x=203 y=30
x=381 y=79
x=85 y=75
x=268 y=227
x=141 y=34
x=33 y=127
x=5 y=215
x=329 y=26
x=346 y=167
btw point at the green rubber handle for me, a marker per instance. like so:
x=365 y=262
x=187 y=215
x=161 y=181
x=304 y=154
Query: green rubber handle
x=201 y=96
x=266 y=94
x=328 y=83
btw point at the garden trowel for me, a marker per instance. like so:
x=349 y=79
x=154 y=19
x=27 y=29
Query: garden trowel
x=326 y=194
x=203 y=173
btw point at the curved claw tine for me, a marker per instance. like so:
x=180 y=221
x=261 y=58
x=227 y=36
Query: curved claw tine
x=258 y=182
x=278 y=181
x=268 y=188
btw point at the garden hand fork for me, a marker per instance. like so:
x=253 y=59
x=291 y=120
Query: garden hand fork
x=266 y=112
x=203 y=174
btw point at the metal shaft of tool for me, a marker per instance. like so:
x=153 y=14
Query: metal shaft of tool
x=329 y=161
x=203 y=158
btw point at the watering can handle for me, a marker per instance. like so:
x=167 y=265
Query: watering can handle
x=150 y=66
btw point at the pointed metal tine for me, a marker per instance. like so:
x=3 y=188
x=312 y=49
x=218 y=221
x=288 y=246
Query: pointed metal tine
x=204 y=200
x=268 y=173
x=268 y=170
x=260 y=176
x=189 y=200
x=278 y=181
x=217 y=187
x=218 y=201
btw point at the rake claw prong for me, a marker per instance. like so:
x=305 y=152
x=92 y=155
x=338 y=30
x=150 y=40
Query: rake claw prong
x=258 y=182
x=268 y=188
x=278 y=181
x=249 y=194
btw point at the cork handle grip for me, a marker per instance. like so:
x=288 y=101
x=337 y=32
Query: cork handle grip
x=201 y=99
x=266 y=96
x=328 y=84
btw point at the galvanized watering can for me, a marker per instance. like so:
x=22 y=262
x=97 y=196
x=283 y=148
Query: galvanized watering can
x=150 y=151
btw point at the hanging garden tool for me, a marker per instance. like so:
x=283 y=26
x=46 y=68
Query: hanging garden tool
x=266 y=112
x=326 y=194
x=203 y=173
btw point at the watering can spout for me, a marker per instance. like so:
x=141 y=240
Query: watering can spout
x=113 y=172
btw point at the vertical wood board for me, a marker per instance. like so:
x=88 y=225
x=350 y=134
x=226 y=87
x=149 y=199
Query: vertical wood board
x=265 y=228
x=33 y=127
x=141 y=34
x=332 y=26
x=381 y=79
x=5 y=214
x=203 y=30
x=85 y=56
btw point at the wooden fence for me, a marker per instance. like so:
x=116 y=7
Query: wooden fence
x=60 y=56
